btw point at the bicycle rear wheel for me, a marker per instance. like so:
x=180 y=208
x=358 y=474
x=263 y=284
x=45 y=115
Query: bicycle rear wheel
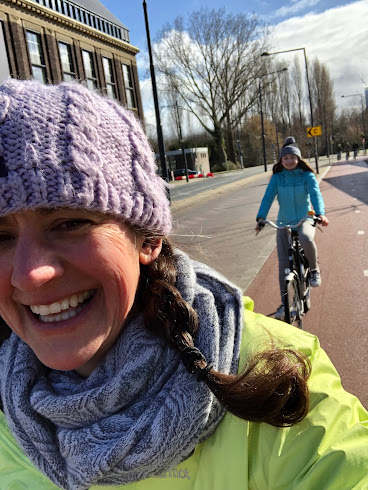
x=304 y=276
x=293 y=304
x=307 y=291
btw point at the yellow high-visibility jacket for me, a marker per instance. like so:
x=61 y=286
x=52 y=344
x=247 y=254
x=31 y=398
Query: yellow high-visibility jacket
x=328 y=450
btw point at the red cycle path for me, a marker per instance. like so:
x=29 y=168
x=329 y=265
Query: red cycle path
x=339 y=310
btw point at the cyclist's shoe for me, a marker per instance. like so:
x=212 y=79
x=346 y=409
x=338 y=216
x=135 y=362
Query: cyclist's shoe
x=280 y=313
x=315 y=280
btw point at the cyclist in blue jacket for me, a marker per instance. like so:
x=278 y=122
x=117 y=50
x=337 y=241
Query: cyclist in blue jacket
x=297 y=190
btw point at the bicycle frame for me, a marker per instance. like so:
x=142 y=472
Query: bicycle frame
x=297 y=275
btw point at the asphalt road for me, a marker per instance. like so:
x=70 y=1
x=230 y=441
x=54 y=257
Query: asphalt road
x=217 y=227
x=183 y=190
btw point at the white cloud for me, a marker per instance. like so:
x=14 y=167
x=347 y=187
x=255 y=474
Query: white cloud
x=338 y=37
x=148 y=106
x=297 y=6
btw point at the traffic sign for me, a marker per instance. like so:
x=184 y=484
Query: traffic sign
x=314 y=131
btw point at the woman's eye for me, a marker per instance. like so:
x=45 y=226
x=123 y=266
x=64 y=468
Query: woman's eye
x=72 y=224
x=5 y=237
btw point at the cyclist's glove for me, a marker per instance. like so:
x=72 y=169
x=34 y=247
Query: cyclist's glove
x=261 y=223
x=317 y=219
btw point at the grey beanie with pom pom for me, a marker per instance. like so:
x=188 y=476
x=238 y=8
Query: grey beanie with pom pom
x=290 y=147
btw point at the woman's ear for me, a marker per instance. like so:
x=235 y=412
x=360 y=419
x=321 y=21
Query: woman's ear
x=150 y=250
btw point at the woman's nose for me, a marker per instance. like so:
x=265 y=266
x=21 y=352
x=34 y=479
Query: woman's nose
x=34 y=266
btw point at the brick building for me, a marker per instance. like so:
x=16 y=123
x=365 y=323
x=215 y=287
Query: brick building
x=56 y=40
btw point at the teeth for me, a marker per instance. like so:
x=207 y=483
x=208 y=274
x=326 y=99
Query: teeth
x=73 y=301
x=64 y=305
x=65 y=315
x=57 y=310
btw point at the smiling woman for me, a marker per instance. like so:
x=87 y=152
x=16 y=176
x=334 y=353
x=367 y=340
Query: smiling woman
x=123 y=363
x=65 y=300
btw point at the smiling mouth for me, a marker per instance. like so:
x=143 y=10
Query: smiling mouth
x=63 y=309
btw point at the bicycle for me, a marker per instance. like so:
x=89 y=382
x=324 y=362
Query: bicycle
x=297 y=299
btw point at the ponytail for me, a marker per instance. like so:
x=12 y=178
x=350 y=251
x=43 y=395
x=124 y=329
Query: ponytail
x=273 y=387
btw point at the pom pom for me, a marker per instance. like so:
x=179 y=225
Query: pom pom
x=289 y=141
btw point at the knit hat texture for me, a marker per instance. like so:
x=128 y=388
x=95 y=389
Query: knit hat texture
x=66 y=146
x=290 y=148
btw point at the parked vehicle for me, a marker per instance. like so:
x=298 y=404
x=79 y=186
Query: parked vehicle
x=180 y=172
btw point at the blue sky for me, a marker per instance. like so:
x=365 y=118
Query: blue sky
x=335 y=31
x=130 y=13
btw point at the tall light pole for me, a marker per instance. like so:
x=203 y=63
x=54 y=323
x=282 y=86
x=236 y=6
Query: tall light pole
x=363 y=118
x=160 y=139
x=309 y=95
x=261 y=111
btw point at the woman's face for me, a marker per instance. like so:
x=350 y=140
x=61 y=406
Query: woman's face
x=68 y=279
x=289 y=162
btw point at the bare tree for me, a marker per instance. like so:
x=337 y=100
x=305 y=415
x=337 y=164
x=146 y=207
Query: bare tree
x=323 y=99
x=297 y=78
x=212 y=61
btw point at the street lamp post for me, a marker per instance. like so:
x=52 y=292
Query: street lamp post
x=262 y=127
x=363 y=118
x=261 y=112
x=277 y=134
x=309 y=95
x=160 y=138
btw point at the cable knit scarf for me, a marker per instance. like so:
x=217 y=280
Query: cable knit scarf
x=140 y=412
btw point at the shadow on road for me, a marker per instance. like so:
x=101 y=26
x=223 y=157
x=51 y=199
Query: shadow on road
x=358 y=180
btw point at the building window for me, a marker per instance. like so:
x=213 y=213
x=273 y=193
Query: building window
x=4 y=63
x=109 y=77
x=88 y=19
x=73 y=10
x=89 y=69
x=129 y=87
x=67 y=66
x=36 y=56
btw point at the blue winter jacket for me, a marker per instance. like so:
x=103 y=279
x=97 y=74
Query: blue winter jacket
x=295 y=191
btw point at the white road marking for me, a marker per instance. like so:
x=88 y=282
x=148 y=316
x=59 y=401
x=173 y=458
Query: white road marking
x=357 y=211
x=360 y=232
x=365 y=273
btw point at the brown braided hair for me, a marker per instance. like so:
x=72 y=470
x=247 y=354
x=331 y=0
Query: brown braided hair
x=5 y=331
x=273 y=387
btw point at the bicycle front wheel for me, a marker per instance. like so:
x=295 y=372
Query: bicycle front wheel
x=293 y=304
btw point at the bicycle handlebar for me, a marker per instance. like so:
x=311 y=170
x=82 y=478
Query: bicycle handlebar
x=264 y=222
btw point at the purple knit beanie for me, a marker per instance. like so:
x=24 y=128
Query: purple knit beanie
x=66 y=146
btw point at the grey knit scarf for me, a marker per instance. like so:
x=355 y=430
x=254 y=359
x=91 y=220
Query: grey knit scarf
x=140 y=412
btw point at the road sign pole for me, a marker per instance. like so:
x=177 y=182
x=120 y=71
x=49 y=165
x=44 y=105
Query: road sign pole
x=313 y=132
x=315 y=153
